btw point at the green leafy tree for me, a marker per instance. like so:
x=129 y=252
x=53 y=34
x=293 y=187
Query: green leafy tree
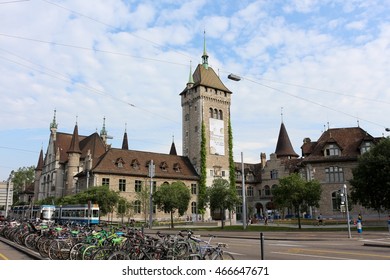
x=21 y=179
x=144 y=197
x=202 y=197
x=102 y=195
x=293 y=191
x=172 y=197
x=371 y=178
x=124 y=208
x=222 y=198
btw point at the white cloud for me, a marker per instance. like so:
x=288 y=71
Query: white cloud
x=129 y=60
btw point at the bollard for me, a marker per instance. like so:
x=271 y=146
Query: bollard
x=262 y=245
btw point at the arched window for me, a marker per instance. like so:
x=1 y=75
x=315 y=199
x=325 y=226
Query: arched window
x=267 y=190
x=211 y=112
x=193 y=208
x=215 y=113
x=220 y=115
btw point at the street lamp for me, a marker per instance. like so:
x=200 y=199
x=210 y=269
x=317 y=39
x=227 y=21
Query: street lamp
x=243 y=192
x=237 y=78
x=345 y=192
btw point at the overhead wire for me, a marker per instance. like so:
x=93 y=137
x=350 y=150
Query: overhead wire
x=170 y=62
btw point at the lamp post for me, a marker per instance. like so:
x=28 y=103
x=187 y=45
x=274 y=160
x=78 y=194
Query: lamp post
x=151 y=175
x=243 y=192
x=345 y=191
x=237 y=78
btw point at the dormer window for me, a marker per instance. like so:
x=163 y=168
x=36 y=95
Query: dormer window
x=332 y=150
x=135 y=164
x=164 y=166
x=119 y=162
x=177 y=167
x=365 y=147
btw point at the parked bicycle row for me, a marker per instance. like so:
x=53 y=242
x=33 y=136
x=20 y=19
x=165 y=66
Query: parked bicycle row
x=80 y=242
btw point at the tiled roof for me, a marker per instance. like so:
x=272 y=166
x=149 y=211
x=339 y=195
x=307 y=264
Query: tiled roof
x=93 y=143
x=74 y=143
x=135 y=163
x=40 y=162
x=347 y=139
x=207 y=77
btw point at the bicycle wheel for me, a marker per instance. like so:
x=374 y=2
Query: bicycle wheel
x=102 y=254
x=88 y=252
x=76 y=251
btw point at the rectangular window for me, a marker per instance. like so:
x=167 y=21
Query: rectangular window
x=223 y=173
x=332 y=150
x=138 y=186
x=106 y=182
x=334 y=174
x=122 y=185
x=274 y=174
x=194 y=189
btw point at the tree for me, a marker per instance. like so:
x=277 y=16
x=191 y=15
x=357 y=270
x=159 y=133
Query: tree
x=202 y=197
x=294 y=191
x=222 y=197
x=172 y=197
x=21 y=179
x=144 y=196
x=371 y=178
x=102 y=195
x=124 y=208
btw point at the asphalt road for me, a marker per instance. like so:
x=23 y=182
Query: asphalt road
x=302 y=245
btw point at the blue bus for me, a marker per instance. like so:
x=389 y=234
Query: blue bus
x=80 y=213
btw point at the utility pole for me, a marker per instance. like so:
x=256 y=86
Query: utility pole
x=151 y=175
x=243 y=192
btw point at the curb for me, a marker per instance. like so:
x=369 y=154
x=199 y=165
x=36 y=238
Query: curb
x=23 y=249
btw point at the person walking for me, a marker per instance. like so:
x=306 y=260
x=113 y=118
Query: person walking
x=320 y=220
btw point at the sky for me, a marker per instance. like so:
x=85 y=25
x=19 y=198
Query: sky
x=311 y=64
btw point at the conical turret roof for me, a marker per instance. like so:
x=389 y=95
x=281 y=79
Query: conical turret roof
x=284 y=149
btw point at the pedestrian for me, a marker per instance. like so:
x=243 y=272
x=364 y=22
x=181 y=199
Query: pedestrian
x=360 y=218
x=388 y=223
x=320 y=220
x=359 y=227
x=266 y=220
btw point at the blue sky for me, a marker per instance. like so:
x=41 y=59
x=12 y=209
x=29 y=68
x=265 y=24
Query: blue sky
x=319 y=63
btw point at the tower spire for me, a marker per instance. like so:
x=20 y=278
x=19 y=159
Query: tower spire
x=103 y=131
x=205 y=57
x=125 y=142
x=190 y=78
x=54 y=124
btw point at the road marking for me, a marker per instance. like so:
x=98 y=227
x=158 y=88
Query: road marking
x=297 y=250
x=285 y=245
x=312 y=256
x=3 y=257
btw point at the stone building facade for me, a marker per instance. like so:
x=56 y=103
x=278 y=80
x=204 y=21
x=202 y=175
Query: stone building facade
x=74 y=162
